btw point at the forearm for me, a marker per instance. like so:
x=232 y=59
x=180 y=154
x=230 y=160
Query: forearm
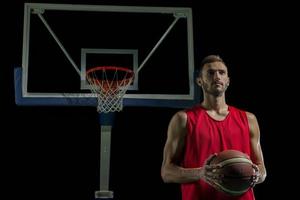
x=176 y=174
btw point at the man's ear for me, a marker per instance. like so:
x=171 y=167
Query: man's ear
x=228 y=82
x=198 y=81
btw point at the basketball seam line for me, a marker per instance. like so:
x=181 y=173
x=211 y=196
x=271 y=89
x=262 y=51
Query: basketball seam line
x=234 y=160
x=234 y=192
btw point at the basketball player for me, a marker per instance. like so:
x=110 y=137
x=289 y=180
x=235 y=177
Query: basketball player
x=196 y=134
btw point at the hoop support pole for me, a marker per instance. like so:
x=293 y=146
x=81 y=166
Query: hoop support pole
x=106 y=122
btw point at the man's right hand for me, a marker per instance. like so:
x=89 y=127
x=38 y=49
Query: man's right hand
x=211 y=173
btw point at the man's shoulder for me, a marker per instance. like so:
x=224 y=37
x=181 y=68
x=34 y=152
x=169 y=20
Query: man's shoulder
x=241 y=110
x=194 y=111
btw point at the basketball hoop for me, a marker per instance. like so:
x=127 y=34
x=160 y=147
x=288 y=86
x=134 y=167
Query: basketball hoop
x=110 y=84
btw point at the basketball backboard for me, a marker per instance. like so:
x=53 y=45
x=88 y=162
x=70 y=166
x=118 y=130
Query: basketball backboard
x=61 y=42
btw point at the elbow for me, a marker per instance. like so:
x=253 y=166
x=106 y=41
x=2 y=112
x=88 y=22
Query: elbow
x=165 y=177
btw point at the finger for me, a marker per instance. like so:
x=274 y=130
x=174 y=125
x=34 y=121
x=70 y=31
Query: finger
x=210 y=181
x=213 y=167
x=254 y=180
x=255 y=167
x=210 y=158
x=214 y=174
x=213 y=183
x=257 y=172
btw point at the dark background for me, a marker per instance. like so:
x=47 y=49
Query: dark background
x=52 y=152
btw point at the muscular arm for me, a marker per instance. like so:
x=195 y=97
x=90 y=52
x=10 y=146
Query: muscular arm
x=257 y=154
x=173 y=151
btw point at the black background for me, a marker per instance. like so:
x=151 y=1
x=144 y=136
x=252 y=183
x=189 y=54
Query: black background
x=52 y=152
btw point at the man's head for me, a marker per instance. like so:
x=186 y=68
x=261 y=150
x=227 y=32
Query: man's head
x=213 y=75
x=209 y=59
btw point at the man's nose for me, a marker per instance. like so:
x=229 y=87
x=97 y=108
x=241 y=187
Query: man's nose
x=217 y=75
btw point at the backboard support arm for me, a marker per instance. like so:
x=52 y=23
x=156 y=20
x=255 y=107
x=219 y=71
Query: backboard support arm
x=158 y=43
x=39 y=13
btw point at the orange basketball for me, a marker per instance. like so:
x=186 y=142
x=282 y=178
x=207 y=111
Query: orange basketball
x=236 y=172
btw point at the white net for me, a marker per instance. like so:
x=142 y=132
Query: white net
x=110 y=84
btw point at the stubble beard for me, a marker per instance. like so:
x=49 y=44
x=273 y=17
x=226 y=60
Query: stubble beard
x=214 y=91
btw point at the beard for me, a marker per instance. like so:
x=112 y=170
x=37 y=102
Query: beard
x=214 y=90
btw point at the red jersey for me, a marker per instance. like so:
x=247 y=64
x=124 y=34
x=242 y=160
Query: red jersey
x=206 y=136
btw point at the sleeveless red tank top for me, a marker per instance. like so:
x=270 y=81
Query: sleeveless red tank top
x=206 y=136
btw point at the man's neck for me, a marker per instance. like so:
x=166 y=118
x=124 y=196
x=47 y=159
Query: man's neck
x=218 y=104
